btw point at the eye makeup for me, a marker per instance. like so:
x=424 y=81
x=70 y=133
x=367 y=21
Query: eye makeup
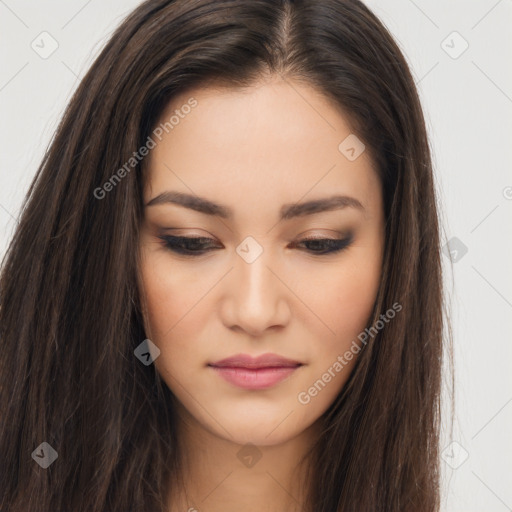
x=196 y=246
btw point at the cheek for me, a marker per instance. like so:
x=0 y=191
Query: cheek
x=163 y=283
x=344 y=302
x=353 y=298
x=173 y=311
x=343 y=295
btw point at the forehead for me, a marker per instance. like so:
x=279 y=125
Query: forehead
x=260 y=146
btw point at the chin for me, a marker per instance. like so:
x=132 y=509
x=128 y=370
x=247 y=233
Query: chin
x=258 y=437
x=259 y=431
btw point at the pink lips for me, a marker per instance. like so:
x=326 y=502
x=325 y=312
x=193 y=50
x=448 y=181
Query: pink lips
x=261 y=372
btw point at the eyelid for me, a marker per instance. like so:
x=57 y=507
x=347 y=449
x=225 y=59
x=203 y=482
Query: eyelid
x=324 y=232
x=336 y=235
x=183 y=232
x=334 y=245
x=347 y=239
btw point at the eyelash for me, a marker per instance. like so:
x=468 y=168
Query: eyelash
x=176 y=243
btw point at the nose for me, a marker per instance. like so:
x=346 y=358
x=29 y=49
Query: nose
x=256 y=299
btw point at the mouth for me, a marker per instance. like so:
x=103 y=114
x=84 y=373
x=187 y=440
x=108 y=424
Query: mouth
x=254 y=378
x=262 y=372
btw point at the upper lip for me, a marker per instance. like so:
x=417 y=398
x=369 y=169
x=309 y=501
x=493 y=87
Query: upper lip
x=263 y=361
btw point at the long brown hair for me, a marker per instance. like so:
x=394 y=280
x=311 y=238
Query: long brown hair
x=70 y=315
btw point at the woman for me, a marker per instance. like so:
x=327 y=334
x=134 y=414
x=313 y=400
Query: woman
x=224 y=292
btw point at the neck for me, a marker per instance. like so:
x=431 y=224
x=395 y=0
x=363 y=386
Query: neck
x=220 y=475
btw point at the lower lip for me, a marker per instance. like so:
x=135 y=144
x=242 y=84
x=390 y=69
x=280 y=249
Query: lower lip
x=260 y=378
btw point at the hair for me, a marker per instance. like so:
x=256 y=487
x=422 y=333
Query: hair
x=70 y=303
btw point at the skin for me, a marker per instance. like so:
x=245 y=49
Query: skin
x=254 y=150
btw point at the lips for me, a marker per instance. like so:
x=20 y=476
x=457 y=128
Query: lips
x=255 y=373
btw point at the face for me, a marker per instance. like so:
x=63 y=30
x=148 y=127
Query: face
x=259 y=277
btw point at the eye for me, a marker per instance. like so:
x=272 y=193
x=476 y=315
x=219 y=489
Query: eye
x=321 y=246
x=192 y=246
x=195 y=246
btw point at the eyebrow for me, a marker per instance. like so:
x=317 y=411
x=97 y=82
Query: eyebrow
x=288 y=211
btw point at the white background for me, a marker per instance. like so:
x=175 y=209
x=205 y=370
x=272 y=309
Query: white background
x=468 y=105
